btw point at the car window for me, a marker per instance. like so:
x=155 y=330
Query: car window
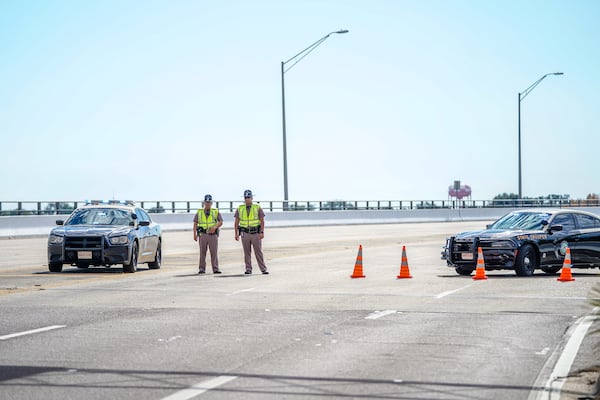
x=521 y=220
x=587 y=221
x=141 y=214
x=99 y=216
x=566 y=220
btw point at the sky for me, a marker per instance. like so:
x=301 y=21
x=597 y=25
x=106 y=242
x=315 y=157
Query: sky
x=170 y=100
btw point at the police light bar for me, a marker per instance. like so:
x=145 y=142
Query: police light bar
x=98 y=202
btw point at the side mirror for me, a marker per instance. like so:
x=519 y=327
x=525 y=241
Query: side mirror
x=60 y=222
x=556 y=228
x=134 y=215
x=144 y=223
x=488 y=226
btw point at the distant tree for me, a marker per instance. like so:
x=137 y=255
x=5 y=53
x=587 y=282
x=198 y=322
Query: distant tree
x=506 y=196
x=63 y=208
x=593 y=196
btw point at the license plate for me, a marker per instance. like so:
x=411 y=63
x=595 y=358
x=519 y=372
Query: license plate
x=466 y=256
x=84 y=255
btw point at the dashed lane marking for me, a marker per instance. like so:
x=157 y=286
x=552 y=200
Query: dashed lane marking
x=200 y=388
x=241 y=291
x=47 y=328
x=449 y=292
x=379 y=314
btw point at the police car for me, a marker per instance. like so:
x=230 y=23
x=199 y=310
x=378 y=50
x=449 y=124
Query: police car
x=526 y=240
x=105 y=233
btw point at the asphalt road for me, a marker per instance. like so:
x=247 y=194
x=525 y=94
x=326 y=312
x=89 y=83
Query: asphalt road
x=306 y=331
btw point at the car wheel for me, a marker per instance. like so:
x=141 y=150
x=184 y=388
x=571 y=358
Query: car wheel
x=55 y=267
x=526 y=261
x=131 y=266
x=464 y=271
x=551 y=270
x=157 y=259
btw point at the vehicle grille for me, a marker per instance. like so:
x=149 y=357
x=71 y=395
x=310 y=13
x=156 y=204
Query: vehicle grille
x=462 y=247
x=84 y=242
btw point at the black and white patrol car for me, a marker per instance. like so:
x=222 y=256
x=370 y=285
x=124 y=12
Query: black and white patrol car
x=105 y=233
x=527 y=240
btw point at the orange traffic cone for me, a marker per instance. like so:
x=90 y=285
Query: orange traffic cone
x=404 y=271
x=480 y=270
x=565 y=272
x=358 y=267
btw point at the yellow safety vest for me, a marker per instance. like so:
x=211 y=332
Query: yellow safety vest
x=209 y=221
x=249 y=219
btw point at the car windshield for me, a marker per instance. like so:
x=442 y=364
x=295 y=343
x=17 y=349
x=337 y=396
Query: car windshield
x=524 y=220
x=100 y=216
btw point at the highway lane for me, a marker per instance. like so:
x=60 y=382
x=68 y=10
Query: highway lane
x=305 y=331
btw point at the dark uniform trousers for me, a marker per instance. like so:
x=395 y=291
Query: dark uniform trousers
x=210 y=243
x=250 y=240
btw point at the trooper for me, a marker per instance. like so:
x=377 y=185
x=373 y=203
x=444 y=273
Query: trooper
x=207 y=222
x=250 y=225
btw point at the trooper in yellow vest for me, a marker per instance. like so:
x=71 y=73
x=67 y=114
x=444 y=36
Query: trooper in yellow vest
x=207 y=222
x=250 y=225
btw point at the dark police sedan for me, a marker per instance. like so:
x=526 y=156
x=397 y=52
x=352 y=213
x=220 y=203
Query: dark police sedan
x=527 y=240
x=104 y=234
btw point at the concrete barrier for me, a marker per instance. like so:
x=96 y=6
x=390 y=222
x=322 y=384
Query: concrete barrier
x=40 y=225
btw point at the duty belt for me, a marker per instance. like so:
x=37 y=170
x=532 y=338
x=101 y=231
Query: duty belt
x=201 y=230
x=250 y=229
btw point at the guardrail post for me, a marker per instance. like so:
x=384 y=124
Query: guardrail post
x=188 y=206
x=39 y=208
x=173 y=207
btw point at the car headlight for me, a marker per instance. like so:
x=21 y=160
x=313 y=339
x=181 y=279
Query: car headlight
x=119 y=240
x=503 y=244
x=55 y=239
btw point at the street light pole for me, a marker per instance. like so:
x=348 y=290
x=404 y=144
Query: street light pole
x=296 y=59
x=521 y=97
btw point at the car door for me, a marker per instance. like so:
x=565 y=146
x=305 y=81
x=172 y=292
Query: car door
x=566 y=237
x=588 y=240
x=152 y=236
x=143 y=235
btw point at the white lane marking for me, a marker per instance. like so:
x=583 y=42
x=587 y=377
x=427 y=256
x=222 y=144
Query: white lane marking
x=449 y=292
x=200 y=388
x=379 y=314
x=241 y=291
x=172 y=338
x=552 y=388
x=47 y=328
x=544 y=351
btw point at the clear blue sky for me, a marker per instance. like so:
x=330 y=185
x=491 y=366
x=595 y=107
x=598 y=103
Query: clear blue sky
x=169 y=100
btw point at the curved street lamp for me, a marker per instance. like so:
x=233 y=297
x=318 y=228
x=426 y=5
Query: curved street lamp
x=522 y=96
x=295 y=60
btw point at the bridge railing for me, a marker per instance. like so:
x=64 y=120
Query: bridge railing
x=9 y=208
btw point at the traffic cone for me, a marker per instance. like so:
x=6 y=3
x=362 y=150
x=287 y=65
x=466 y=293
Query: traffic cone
x=565 y=272
x=480 y=270
x=404 y=271
x=358 y=267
